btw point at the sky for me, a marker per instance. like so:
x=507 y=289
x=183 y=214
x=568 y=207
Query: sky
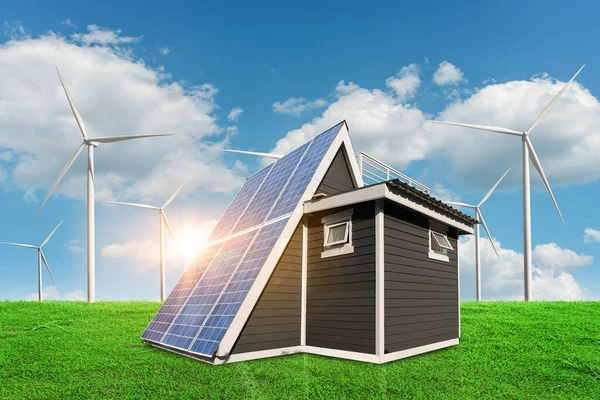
x=268 y=77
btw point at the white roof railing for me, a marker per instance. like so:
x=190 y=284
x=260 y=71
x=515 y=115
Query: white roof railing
x=374 y=171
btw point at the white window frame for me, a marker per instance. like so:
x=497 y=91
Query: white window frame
x=436 y=228
x=340 y=247
x=329 y=227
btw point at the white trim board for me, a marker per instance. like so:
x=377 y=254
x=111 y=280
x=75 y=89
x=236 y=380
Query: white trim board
x=379 y=279
x=417 y=350
x=377 y=192
x=322 y=351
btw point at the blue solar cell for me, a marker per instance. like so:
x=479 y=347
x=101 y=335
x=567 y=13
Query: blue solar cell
x=205 y=294
x=304 y=173
x=263 y=202
x=171 y=307
x=239 y=204
x=234 y=294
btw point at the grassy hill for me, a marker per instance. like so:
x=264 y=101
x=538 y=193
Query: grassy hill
x=60 y=350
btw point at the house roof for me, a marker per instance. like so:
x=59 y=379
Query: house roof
x=398 y=192
x=398 y=185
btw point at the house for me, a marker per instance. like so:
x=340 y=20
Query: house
x=309 y=259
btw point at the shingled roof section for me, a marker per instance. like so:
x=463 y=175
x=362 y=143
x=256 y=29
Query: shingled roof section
x=397 y=184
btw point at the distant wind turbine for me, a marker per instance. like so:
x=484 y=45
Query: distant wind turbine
x=41 y=258
x=90 y=143
x=527 y=152
x=479 y=217
x=163 y=221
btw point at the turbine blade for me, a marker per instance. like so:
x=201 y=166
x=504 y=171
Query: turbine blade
x=164 y=217
x=456 y=203
x=487 y=231
x=112 y=139
x=488 y=194
x=50 y=235
x=254 y=153
x=538 y=166
x=546 y=110
x=73 y=107
x=178 y=190
x=20 y=245
x=132 y=205
x=497 y=129
x=62 y=174
x=47 y=266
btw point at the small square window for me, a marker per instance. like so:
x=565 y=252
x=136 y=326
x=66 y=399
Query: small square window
x=337 y=234
x=438 y=242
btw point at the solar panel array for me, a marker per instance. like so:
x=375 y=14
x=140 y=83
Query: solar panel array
x=201 y=307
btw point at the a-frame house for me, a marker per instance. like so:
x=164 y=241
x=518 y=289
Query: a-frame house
x=308 y=259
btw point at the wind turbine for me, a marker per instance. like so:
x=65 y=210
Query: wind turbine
x=90 y=143
x=41 y=258
x=479 y=217
x=254 y=153
x=163 y=221
x=528 y=151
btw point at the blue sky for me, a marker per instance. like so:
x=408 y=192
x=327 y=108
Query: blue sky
x=136 y=67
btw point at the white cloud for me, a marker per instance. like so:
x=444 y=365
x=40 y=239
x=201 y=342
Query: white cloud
x=73 y=247
x=502 y=279
x=447 y=74
x=234 y=114
x=297 y=105
x=591 y=235
x=134 y=250
x=406 y=82
x=164 y=50
x=75 y=295
x=398 y=133
x=15 y=30
x=116 y=95
x=442 y=193
x=48 y=293
x=68 y=22
x=379 y=123
x=103 y=36
x=52 y=293
x=550 y=256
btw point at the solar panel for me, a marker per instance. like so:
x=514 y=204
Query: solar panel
x=206 y=293
x=171 y=307
x=263 y=202
x=234 y=294
x=304 y=173
x=203 y=304
x=239 y=204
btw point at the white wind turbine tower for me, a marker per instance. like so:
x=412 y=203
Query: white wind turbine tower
x=163 y=221
x=528 y=151
x=90 y=143
x=479 y=217
x=41 y=257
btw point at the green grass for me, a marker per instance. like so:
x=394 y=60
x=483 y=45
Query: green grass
x=59 y=350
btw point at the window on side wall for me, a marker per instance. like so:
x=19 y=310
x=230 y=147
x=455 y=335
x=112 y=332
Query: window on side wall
x=439 y=245
x=337 y=234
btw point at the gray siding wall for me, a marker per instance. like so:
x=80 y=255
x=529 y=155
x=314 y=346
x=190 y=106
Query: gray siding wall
x=275 y=321
x=338 y=178
x=341 y=290
x=421 y=294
